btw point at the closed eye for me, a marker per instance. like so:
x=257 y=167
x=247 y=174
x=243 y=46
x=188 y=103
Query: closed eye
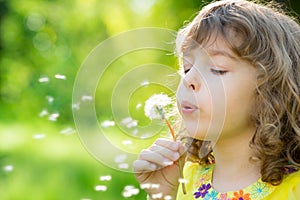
x=218 y=72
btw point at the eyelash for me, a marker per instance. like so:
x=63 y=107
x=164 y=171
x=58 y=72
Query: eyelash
x=218 y=72
x=214 y=71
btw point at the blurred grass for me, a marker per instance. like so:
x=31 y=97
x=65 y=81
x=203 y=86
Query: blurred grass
x=54 y=167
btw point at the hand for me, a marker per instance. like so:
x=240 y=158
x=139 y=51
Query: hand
x=158 y=165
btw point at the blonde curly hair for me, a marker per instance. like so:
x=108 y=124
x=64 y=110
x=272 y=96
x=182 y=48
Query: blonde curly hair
x=270 y=40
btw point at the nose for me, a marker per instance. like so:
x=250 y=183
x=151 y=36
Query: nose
x=192 y=80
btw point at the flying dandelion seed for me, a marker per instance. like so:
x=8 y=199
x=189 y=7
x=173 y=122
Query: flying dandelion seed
x=43 y=113
x=108 y=123
x=50 y=99
x=127 y=142
x=120 y=158
x=102 y=188
x=53 y=117
x=85 y=199
x=68 y=131
x=155 y=186
x=105 y=178
x=130 y=191
x=8 y=168
x=145 y=83
x=145 y=186
x=129 y=122
x=44 y=79
x=123 y=166
x=60 y=76
x=76 y=106
x=167 y=197
x=138 y=106
x=86 y=98
x=135 y=132
x=157 y=196
x=39 y=136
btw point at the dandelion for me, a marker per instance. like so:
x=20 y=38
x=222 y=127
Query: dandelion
x=155 y=108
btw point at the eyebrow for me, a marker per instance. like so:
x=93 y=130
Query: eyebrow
x=215 y=52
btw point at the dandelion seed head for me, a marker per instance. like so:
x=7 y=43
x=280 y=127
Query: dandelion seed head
x=155 y=102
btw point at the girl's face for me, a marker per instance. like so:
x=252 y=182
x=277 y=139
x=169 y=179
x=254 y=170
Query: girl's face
x=216 y=93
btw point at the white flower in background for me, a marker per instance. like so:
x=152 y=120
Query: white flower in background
x=156 y=104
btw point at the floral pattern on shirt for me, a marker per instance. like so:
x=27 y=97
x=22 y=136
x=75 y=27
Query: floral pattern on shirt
x=256 y=191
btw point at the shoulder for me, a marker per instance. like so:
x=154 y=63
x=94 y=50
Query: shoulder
x=289 y=188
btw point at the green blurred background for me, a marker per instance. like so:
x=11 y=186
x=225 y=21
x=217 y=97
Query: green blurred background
x=42 y=45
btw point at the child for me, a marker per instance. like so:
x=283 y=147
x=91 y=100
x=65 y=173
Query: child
x=240 y=102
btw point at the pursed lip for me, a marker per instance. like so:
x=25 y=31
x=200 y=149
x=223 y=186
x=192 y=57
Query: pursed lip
x=188 y=108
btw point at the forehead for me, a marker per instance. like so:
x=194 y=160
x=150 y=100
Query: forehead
x=214 y=47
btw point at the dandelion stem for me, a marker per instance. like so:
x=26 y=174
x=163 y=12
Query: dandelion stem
x=179 y=162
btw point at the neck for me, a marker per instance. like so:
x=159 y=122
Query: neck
x=233 y=169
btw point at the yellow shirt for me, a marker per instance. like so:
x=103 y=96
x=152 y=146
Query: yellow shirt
x=199 y=186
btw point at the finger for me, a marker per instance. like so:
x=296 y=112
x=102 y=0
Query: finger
x=154 y=157
x=142 y=166
x=167 y=144
x=171 y=155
